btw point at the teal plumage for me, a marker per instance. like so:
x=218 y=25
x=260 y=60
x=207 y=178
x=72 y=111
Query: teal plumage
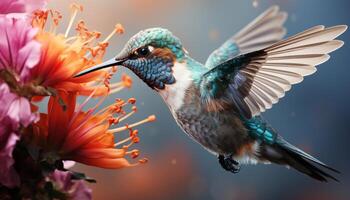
x=157 y=37
x=228 y=50
x=261 y=130
x=219 y=104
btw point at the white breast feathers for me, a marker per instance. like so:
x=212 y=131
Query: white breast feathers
x=174 y=94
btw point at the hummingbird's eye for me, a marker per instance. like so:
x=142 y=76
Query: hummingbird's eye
x=144 y=51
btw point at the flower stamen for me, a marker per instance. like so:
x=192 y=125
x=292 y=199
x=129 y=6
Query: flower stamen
x=118 y=29
x=124 y=141
x=134 y=110
x=56 y=17
x=151 y=118
x=134 y=153
x=75 y=8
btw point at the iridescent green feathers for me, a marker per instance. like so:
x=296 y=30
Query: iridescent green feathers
x=245 y=76
x=157 y=37
x=251 y=82
x=259 y=79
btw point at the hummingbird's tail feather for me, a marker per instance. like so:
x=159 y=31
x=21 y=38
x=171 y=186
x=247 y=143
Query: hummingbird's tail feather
x=284 y=153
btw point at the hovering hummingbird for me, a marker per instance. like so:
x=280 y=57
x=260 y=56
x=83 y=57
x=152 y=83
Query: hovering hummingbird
x=219 y=104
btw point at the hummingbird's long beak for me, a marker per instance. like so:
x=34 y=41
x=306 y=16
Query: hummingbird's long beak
x=108 y=63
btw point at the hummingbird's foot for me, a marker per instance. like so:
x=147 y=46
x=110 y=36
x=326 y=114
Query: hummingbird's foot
x=229 y=164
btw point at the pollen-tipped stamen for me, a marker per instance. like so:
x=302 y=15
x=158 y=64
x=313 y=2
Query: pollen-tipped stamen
x=116 y=85
x=124 y=141
x=133 y=153
x=75 y=8
x=151 y=118
x=80 y=107
x=127 y=115
x=118 y=29
x=117 y=89
x=56 y=17
x=125 y=83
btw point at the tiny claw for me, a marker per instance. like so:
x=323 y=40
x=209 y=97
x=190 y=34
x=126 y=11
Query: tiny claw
x=229 y=164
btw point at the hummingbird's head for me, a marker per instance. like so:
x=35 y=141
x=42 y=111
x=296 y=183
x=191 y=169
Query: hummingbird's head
x=150 y=54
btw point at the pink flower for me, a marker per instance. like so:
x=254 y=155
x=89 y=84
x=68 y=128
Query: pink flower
x=8 y=139
x=19 y=51
x=6 y=99
x=20 y=111
x=75 y=190
x=14 y=108
x=8 y=175
x=20 y=6
x=32 y=5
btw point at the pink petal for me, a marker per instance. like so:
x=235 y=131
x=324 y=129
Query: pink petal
x=32 y=5
x=28 y=57
x=11 y=6
x=21 y=6
x=20 y=111
x=81 y=192
x=6 y=99
x=75 y=190
x=19 y=51
x=8 y=175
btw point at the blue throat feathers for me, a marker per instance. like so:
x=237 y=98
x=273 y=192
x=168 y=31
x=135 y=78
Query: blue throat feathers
x=155 y=71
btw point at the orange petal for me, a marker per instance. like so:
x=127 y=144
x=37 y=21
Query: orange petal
x=58 y=119
x=96 y=153
x=105 y=163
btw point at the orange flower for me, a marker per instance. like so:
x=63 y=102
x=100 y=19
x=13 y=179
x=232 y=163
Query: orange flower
x=87 y=137
x=63 y=56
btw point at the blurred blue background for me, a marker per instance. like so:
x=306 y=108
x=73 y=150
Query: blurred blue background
x=314 y=115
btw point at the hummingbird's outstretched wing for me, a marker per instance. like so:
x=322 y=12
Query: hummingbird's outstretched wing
x=262 y=32
x=252 y=82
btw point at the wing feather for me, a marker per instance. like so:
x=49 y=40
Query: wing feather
x=262 y=32
x=262 y=77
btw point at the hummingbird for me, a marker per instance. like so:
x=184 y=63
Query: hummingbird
x=219 y=104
